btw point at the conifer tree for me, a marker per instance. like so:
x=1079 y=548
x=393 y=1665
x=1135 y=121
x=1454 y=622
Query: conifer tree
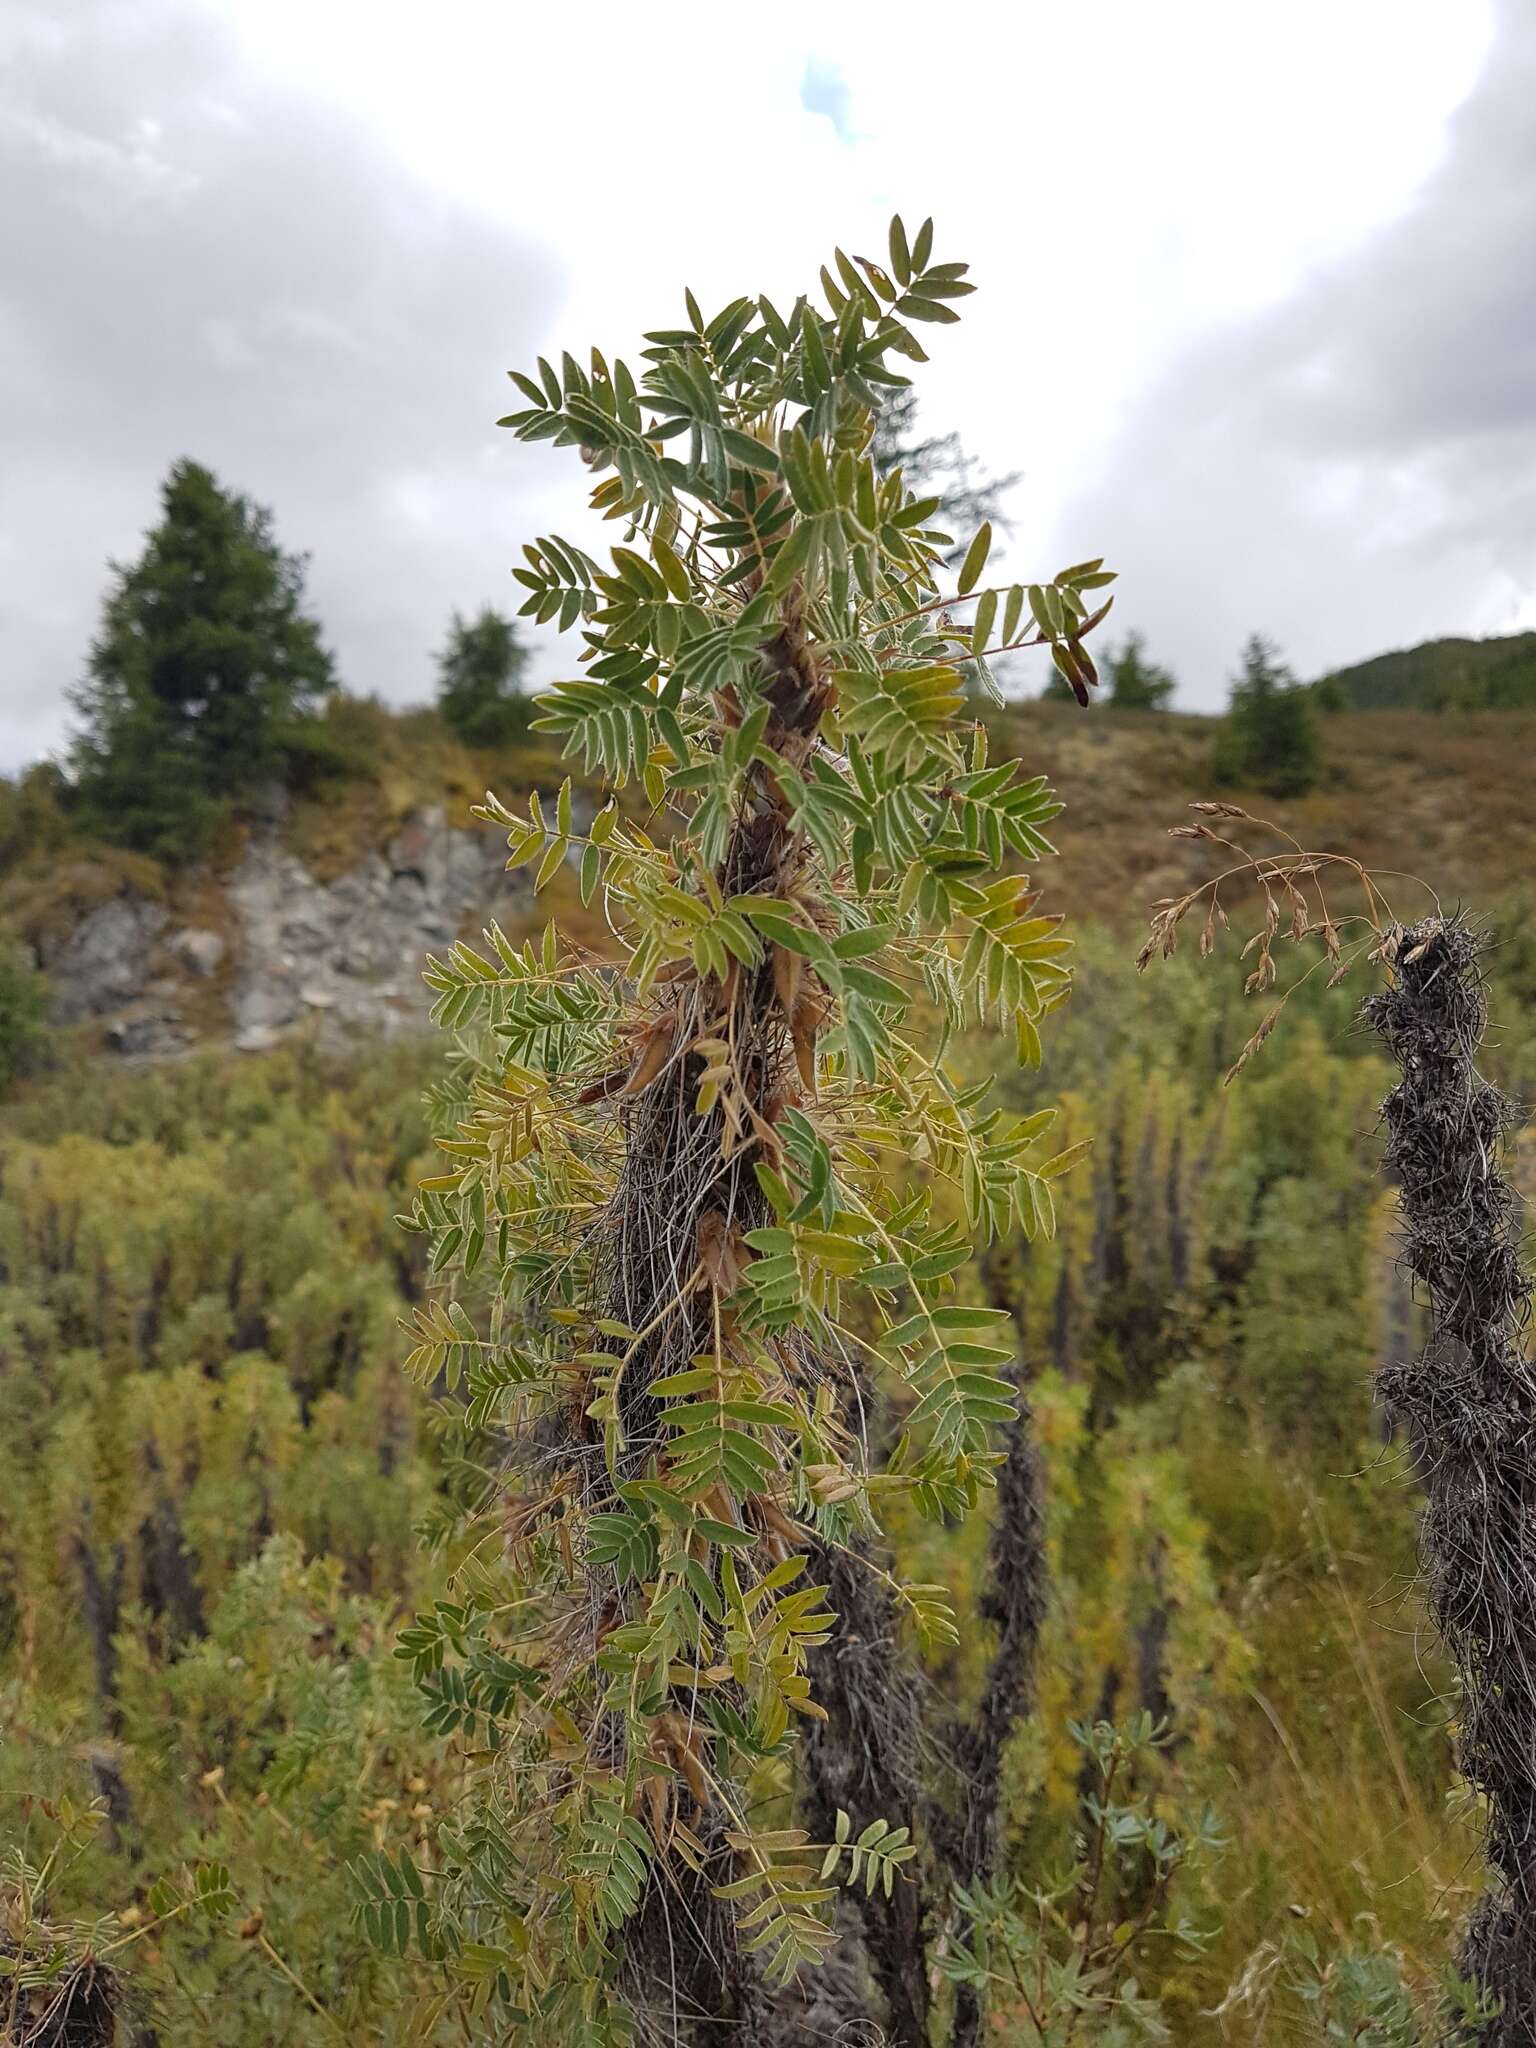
x=1270 y=739
x=205 y=655
x=938 y=463
x=1135 y=683
x=479 y=674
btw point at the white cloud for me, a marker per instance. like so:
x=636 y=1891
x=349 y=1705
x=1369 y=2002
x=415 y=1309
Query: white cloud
x=1354 y=467
x=302 y=241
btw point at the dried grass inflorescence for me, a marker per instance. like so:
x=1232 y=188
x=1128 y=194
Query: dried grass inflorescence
x=1468 y=1408
x=1294 y=884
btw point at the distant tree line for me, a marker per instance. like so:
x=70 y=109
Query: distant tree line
x=209 y=678
x=1496 y=674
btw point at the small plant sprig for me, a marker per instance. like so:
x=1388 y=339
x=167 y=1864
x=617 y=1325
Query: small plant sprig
x=1363 y=1993
x=1053 y=1955
x=60 y=1980
x=1294 y=884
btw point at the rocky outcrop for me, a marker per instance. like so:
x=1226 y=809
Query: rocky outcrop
x=342 y=957
x=349 y=952
x=101 y=965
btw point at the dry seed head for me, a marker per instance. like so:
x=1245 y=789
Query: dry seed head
x=1262 y=976
x=1252 y=1046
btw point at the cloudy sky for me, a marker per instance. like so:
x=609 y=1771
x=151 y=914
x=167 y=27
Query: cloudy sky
x=1257 y=317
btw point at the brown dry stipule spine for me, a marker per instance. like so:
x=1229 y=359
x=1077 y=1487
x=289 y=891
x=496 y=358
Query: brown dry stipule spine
x=1467 y=1406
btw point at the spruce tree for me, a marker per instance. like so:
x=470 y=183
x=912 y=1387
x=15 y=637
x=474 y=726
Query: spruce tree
x=479 y=677
x=1136 y=684
x=940 y=464
x=1270 y=739
x=204 y=656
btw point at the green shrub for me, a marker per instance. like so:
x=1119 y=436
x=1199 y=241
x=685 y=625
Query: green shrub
x=34 y=816
x=23 y=1016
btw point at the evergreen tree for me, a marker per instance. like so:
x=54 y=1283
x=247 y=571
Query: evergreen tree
x=203 y=658
x=1270 y=738
x=1136 y=684
x=479 y=678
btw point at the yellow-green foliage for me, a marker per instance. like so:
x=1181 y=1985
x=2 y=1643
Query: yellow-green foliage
x=198 y=1273
x=197 y=1347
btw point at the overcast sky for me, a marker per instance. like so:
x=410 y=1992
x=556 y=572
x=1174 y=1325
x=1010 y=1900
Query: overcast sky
x=1257 y=317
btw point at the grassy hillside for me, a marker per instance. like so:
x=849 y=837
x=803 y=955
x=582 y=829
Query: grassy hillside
x=1444 y=799
x=1497 y=674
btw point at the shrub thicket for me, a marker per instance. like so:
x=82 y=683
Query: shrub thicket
x=24 y=1035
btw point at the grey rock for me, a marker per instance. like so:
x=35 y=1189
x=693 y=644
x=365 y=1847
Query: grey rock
x=269 y=804
x=200 y=950
x=147 y=1032
x=339 y=959
x=348 y=953
x=257 y=1038
x=101 y=965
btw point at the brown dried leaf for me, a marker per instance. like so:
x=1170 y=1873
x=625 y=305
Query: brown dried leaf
x=602 y=1088
x=654 y=1049
x=722 y=1252
x=804 y=1025
x=787 y=970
